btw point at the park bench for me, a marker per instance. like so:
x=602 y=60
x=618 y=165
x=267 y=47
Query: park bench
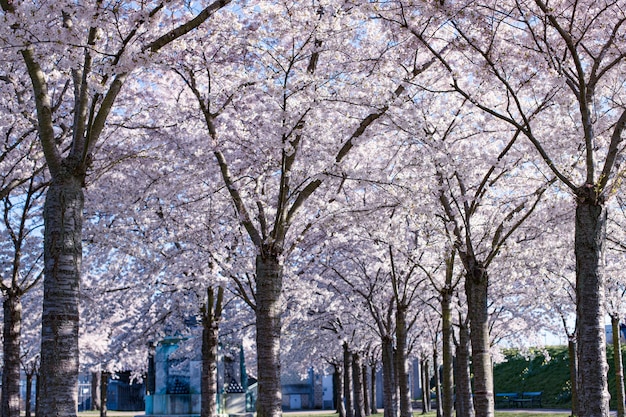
x=530 y=399
x=506 y=399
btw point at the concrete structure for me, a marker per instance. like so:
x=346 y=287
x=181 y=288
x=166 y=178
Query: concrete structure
x=174 y=384
x=313 y=391
x=176 y=387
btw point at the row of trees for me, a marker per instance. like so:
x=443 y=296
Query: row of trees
x=391 y=174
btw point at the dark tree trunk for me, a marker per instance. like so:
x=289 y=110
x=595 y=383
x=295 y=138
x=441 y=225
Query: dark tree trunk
x=37 y=393
x=357 y=379
x=425 y=386
x=373 y=405
x=437 y=381
x=12 y=306
x=476 y=286
x=447 y=377
x=95 y=390
x=211 y=316
x=390 y=398
x=366 y=397
x=590 y=232
x=464 y=403
x=338 y=389
x=63 y=218
x=104 y=386
x=29 y=394
x=573 y=372
x=347 y=380
x=268 y=328
x=618 y=365
x=402 y=363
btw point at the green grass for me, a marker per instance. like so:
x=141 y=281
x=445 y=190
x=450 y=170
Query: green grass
x=530 y=414
x=304 y=414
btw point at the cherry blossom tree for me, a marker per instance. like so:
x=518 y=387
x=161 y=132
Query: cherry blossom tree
x=558 y=289
x=187 y=249
x=22 y=187
x=30 y=344
x=378 y=273
x=299 y=93
x=22 y=272
x=564 y=59
x=100 y=45
x=615 y=292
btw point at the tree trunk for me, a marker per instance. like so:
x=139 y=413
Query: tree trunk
x=104 y=386
x=402 y=363
x=590 y=232
x=447 y=377
x=357 y=379
x=338 y=388
x=464 y=402
x=63 y=217
x=619 y=366
x=29 y=394
x=347 y=380
x=211 y=316
x=268 y=328
x=95 y=390
x=366 y=402
x=11 y=348
x=390 y=400
x=38 y=393
x=425 y=386
x=373 y=401
x=476 y=285
x=573 y=372
x=437 y=381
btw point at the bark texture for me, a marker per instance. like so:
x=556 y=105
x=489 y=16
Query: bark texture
x=425 y=386
x=63 y=218
x=95 y=391
x=390 y=398
x=464 y=399
x=437 y=381
x=104 y=387
x=338 y=388
x=476 y=286
x=447 y=374
x=357 y=379
x=12 y=307
x=590 y=232
x=211 y=316
x=366 y=397
x=347 y=380
x=268 y=328
x=618 y=365
x=374 y=408
x=29 y=394
x=402 y=362
x=37 y=393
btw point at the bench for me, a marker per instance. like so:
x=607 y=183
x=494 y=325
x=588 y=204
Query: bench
x=530 y=399
x=506 y=398
x=533 y=399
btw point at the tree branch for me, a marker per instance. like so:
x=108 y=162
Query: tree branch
x=187 y=27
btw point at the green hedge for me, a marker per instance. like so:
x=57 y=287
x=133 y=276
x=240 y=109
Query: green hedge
x=535 y=373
